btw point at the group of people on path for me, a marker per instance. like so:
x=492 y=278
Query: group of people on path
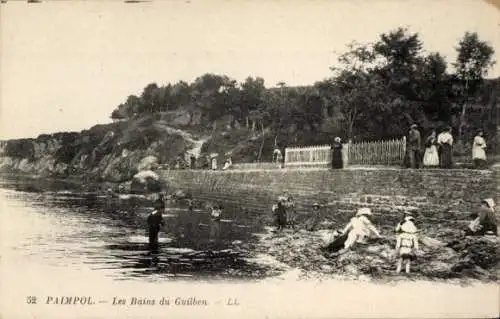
x=439 y=149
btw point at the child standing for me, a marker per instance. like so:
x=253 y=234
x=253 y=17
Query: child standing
x=406 y=244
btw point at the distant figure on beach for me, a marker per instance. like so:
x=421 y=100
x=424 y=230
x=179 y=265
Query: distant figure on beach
x=484 y=222
x=414 y=144
x=337 y=154
x=155 y=222
x=290 y=209
x=406 y=243
x=431 y=156
x=215 y=220
x=445 y=143
x=479 y=150
x=313 y=220
x=279 y=214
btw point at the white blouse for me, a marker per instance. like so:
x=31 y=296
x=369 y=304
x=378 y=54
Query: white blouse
x=445 y=138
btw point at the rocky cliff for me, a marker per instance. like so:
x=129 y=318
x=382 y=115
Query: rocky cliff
x=112 y=152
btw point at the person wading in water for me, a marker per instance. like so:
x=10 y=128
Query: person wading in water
x=155 y=222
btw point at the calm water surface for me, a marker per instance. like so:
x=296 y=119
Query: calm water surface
x=58 y=225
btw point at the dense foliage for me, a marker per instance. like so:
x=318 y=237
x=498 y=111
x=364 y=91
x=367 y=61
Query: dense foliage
x=377 y=91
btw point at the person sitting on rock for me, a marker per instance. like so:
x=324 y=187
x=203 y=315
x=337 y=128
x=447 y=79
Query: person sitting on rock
x=313 y=220
x=358 y=230
x=406 y=244
x=484 y=222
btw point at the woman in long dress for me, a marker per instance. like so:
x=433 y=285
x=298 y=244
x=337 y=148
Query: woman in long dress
x=478 y=150
x=431 y=157
x=337 y=154
x=445 y=143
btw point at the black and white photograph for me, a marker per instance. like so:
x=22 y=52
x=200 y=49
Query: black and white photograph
x=249 y=159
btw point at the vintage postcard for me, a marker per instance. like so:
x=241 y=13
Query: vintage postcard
x=249 y=159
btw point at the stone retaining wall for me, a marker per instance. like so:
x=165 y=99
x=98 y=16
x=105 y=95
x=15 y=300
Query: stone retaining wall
x=454 y=192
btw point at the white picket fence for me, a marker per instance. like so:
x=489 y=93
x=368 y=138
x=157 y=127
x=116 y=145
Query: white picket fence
x=389 y=152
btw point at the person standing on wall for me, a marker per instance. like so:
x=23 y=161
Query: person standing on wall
x=278 y=157
x=431 y=157
x=445 y=143
x=337 y=154
x=414 y=142
x=478 y=150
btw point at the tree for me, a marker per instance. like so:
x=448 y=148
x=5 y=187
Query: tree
x=119 y=113
x=435 y=87
x=252 y=93
x=474 y=59
x=399 y=52
x=149 y=98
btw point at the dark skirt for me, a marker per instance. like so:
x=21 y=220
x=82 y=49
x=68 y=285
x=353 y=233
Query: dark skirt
x=337 y=244
x=337 y=158
x=445 y=160
x=279 y=218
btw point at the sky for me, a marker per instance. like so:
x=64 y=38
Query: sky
x=65 y=65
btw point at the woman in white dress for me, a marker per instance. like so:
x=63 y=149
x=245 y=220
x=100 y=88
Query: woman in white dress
x=478 y=150
x=431 y=157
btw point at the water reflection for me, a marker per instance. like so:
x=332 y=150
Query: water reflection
x=66 y=227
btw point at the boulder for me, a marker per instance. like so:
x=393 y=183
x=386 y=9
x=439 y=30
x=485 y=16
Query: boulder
x=180 y=194
x=145 y=181
x=148 y=163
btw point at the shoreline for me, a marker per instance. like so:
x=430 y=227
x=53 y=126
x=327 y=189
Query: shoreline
x=299 y=252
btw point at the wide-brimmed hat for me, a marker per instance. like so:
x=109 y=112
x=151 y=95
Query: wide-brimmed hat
x=316 y=205
x=409 y=227
x=364 y=211
x=337 y=139
x=489 y=201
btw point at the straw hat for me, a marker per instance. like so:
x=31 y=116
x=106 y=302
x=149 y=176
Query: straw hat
x=364 y=211
x=316 y=205
x=337 y=139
